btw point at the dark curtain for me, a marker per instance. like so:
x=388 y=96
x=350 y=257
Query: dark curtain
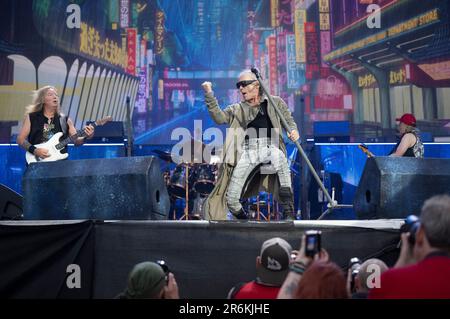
x=34 y=260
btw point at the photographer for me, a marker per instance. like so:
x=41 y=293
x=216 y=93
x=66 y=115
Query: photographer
x=423 y=268
x=360 y=280
x=312 y=275
x=148 y=280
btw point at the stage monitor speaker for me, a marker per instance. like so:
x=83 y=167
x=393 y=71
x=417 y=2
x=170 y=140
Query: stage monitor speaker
x=395 y=187
x=331 y=131
x=111 y=132
x=10 y=203
x=113 y=188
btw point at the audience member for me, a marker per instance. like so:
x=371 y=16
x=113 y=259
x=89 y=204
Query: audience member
x=147 y=280
x=423 y=268
x=322 y=280
x=272 y=266
x=298 y=268
x=364 y=279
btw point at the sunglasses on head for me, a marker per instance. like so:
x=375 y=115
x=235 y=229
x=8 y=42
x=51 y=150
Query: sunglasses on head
x=244 y=83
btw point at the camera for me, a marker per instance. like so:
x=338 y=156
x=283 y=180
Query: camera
x=411 y=226
x=165 y=268
x=313 y=242
x=354 y=266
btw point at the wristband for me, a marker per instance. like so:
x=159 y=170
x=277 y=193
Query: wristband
x=297 y=269
x=300 y=264
x=31 y=149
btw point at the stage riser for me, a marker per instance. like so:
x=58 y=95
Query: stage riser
x=198 y=253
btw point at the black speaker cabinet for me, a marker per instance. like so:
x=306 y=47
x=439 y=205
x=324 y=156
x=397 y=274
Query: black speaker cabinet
x=395 y=187
x=114 y=188
x=10 y=203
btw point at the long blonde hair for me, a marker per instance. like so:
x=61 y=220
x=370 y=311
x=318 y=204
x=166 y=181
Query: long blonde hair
x=38 y=100
x=410 y=129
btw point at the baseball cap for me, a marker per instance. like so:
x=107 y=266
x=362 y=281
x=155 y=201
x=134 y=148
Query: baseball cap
x=408 y=119
x=275 y=256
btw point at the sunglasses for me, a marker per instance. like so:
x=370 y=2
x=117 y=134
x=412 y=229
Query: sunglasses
x=244 y=83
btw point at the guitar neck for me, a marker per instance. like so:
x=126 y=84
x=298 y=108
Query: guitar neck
x=366 y=151
x=79 y=133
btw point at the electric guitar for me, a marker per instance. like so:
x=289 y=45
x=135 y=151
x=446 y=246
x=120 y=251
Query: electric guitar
x=366 y=151
x=54 y=146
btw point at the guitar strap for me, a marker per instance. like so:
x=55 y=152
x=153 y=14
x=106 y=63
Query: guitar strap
x=63 y=123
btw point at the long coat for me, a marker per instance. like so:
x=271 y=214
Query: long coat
x=237 y=116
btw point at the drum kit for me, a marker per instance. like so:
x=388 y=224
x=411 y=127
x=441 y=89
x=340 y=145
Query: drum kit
x=190 y=182
x=263 y=207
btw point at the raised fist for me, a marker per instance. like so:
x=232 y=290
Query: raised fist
x=207 y=86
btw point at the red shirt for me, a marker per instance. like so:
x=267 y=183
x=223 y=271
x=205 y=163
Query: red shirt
x=253 y=290
x=428 y=279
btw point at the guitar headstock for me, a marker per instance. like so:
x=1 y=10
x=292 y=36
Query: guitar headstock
x=363 y=146
x=366 y=151
x=103 y=121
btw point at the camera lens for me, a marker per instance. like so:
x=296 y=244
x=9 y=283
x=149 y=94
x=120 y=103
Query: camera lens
x=165 y=268
x=354 y=265
x=409 y=222
x=410 y=226
x=354 y=260
x=163 y=265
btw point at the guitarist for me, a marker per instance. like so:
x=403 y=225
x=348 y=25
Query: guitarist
x=43 y=119
x=410 y=144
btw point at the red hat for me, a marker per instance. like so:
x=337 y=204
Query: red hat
x=408 y=119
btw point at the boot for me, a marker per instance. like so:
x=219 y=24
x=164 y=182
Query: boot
x=242 y=214
x=287 y=203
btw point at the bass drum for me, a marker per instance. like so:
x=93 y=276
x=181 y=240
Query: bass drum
x=205 y=178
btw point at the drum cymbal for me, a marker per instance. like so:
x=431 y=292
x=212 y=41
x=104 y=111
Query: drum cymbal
x=196 y=149
x=164 y=155
x=191 y=152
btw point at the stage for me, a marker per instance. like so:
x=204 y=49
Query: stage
x=207 y=258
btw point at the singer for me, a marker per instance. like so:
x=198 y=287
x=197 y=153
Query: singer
x=254 y=154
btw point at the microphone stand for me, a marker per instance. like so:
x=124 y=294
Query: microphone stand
x=332 y=204
x=129 y=130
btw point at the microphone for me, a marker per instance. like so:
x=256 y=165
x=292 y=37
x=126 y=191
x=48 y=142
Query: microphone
x=256 y=72
x=128 y=100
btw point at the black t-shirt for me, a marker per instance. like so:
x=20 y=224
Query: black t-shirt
x=41 y=130
x=261 y=121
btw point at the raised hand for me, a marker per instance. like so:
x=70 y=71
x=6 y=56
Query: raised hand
x=89 y=131
x=293 y=135
x=207 y=87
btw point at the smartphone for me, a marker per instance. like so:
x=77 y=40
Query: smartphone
x=313 y=242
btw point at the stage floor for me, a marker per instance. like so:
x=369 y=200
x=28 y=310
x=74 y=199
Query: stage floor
x=207 y=257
